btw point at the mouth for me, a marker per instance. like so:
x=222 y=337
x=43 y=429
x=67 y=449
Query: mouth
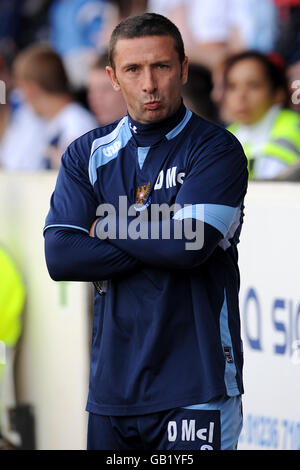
x=152 y=104
x=241 y=111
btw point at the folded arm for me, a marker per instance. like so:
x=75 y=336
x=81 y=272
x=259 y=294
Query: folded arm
x=72 y=255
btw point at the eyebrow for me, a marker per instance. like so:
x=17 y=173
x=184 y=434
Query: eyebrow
x=126 y=66
x=135 y=64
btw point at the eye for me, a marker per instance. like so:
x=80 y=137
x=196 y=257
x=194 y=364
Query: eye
x=230 y=86
x=254 y=85
x=132 y=69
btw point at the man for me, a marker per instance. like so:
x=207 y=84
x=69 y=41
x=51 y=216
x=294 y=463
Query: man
x=41 y=76
x=18 y=122
x=166 y=356
x=104 y=103
x=78 y=31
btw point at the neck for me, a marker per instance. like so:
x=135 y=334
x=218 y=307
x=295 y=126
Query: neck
x=269 y=115
x=149 y=134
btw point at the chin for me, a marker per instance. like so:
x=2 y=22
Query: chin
x=160 y=114
x=242 y=119
x=248 y=122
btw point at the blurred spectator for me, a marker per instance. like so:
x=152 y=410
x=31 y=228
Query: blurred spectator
x=288 y=44
x=254 y=25
x=34 y=23
x=120 y=9
x=130 y=7
x=12 y=300
x=21 y=24
x=213 y=30
x=18 y=123
x=105 y=103
x=197 y=92
x=78 y=33
x=9 y=25
x=256 y=97
x=217 y=94
x=288 y=40
x=40 y=74
x=4 y=106
x=23 y=143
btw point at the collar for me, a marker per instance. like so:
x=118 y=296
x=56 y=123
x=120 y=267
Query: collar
x=149 y=134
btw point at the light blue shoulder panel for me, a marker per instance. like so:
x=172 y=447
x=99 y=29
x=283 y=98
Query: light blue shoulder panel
x=219 y=216
x=107 y=148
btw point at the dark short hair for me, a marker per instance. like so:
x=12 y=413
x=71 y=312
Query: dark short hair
x=147 y=24
x=274 y=71
x=198 y=90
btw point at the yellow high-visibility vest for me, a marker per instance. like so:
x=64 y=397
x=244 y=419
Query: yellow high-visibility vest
x=12 y=299
x=283 y=141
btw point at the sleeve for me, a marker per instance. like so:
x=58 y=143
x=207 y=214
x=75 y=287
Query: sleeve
x=73 y=203
x=74 y=256
x=216 y=182
x=71 y=254
x=211 y=197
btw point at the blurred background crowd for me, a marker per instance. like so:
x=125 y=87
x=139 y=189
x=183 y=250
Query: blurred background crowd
x=244 y=74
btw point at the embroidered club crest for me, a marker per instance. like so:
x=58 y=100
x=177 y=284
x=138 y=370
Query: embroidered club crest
x=142 y=193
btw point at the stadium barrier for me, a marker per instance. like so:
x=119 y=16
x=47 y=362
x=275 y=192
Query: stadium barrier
x=270 y=314
x=53 y=360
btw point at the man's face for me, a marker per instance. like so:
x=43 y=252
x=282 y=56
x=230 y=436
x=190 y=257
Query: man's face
x=105 y=103
x=149 y=75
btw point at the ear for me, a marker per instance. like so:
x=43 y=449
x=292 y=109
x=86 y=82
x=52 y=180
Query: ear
x=113 y=78
x=30 y=89
x=184 y=71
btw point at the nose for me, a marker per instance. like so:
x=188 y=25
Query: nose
x=241 y=93
x=149 y=81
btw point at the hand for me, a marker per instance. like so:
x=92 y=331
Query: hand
x=92 y=229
